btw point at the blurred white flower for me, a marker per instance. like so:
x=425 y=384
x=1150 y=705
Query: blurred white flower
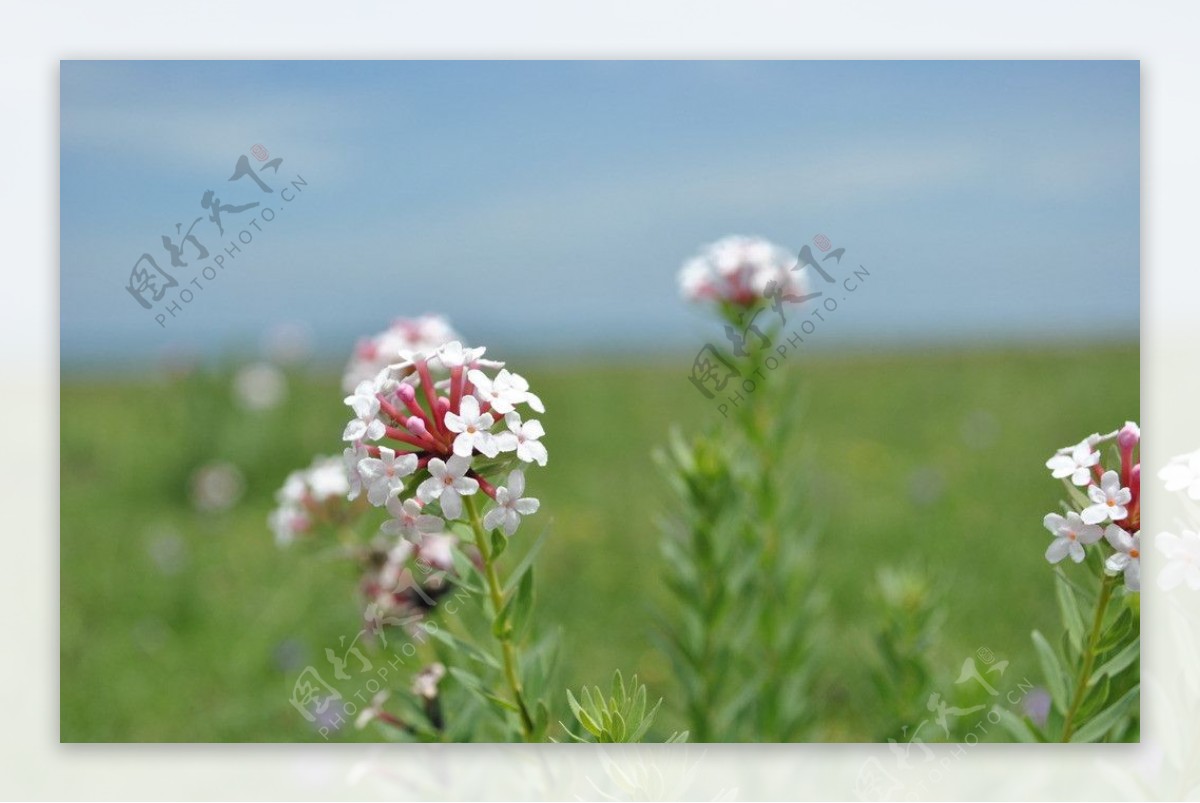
x=408 y=520
x=1075 y=462
x=351 y=457
x=326 y=479
x=1183 y=556
x=365 y=403
x=216 y=487
x=372 y=712
x=437 y=550
x=1182 y=473
x=1127 y=558
x=1108 y=500
x=425 y=683
x=739 y=270
x=510 y=506
x=372 y=355
x=1070 y=534
x=307 y=496
x=259 y=386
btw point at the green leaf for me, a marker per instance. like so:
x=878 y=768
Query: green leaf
x=1094 y=699
x=465 y=572
x=1068 y=606
x=618 y=689
x=523 y=603
x=582 y=716
x=502 y=703
x=1118 y=662
x=1105 y=721
x=541 y=719
x=1057 y=679
x=1117 y=632
x=499 y=544
x=467 y=649
x=526 y=561
x=1020 y=727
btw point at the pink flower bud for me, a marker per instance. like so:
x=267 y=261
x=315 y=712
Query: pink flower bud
x=1129 y=436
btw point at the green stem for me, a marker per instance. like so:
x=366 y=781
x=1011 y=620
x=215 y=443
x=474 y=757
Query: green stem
x=496 y=592
x=1089 y=656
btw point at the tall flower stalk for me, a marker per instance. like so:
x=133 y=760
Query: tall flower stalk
x=1092 y=671
x=439 y=445
x=742 y=631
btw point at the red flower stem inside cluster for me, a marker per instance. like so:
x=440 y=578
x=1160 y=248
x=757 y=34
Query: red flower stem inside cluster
x=426 y=429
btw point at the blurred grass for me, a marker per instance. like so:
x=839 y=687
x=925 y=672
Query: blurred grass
x=178 y=625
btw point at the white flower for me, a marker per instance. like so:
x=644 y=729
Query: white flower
x=1109 y=500
x=294 y=489
x=394 y=574
x=504 y=392
x=1183 y=552
x=425 y=684
x=287 y=522
x=1075 y=462
x=1128 y=556
x=436 y=550
x=365 y=403
x=448 y=484
x=408 y=520
x=326 y=479
x=1183 y=473
x=739 y=270
x=510 y=506
x=473 y=428
x=383 y=476
x=1070 y=534
x=351 y=457
x=694 y=281
x=455 y=355
x=522 y=438
x=373 y=711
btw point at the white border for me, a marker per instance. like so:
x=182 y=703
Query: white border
x=36 y=36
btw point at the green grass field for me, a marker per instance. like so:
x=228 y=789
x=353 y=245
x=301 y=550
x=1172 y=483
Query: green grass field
x=185 y=626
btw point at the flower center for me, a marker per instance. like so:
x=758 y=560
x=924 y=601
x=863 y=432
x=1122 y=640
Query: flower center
x=1070 y=535
x=1112 y=502
x=447 y=480
x=1134 y=553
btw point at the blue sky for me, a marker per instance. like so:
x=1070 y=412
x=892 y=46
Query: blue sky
x=546 y=206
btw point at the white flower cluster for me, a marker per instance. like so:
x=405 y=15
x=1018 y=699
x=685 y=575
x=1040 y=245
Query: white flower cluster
x=1114 y=502
x=422 y=439
x=307 y=497
x=740 y=271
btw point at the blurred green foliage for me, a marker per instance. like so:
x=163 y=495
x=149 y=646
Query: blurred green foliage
x=183 y=625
